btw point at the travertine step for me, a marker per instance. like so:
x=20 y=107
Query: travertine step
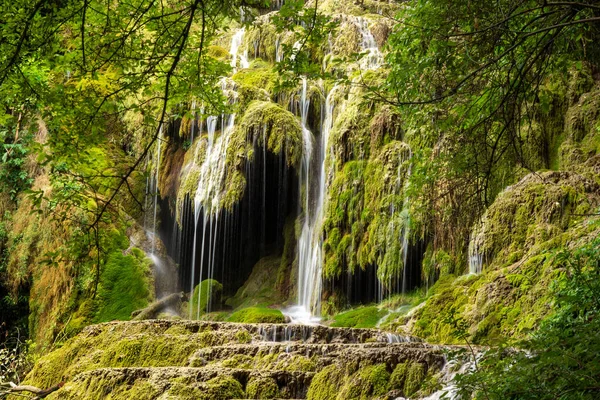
x=181 y=383
x=160 y=359
x=276 y=355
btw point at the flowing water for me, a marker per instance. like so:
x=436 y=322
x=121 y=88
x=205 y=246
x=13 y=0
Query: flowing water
x=207 y=198
x=310 y=242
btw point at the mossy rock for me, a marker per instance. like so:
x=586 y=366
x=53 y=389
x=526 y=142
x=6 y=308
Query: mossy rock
x=367 y=383
x=262 y=388
x=363 y=317
x=260 y=287
x=208 y=292
x=534 y=210
x=257 y=315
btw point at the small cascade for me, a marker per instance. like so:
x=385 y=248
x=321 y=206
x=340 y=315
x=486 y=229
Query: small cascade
x=406 y=228
x=394 y=338
x=373 y=58
x=474 y=252
x=155 y=188
x=236 y=42
x=278 y=50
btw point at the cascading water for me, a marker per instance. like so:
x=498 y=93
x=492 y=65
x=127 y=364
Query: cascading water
x=207 y=198
x=373 y=58
x=310 y=242
x=474 y=253
x=236 y=42
x=406 y=228
x=155 y=187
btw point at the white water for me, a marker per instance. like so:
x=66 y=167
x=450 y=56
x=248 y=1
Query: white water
x=406 y=229
x=278 y=51
x=236 y=42
x=156 y=176
x=310 y=242
x=373 y=58
x=475 y=255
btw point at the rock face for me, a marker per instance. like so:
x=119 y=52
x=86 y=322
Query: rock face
x=160 y=359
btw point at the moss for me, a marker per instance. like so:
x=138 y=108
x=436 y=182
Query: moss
x=220 y=388
x=297 y=363
x=285 y=276
x=261 y=39
x=125 y=285
x=218 y=52
x=262 y=78
x=367 y=383
x=243 y=336
x=415 y=376
x=254 y=315
x=262 y=388
x=241 y=361
x=363 y=317
x=209 y=293
x=408 y=377
x=325 y=385
x=365 y=217
x=263 y=124
x=437 y=264
x=259 y=288
x=99 y=387
x=142 y=344
x=532 y=211
x=281 y=127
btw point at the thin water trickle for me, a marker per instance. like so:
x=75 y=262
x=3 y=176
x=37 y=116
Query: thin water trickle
x=156 y=179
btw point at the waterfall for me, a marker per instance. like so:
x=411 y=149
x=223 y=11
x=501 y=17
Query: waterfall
x=474 y=253
x=310 y=243
x=154 y=232
x=373 y=57
x=207 y=198
x=406 y=228
x=236 y=42
x=193 y=121
x=278 y=52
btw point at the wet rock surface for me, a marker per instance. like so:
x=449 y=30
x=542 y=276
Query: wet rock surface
x=166 y=359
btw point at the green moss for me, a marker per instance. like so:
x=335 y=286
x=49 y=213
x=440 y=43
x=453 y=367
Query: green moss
x=365 y=216
x=241 y=361
x=122 y=345
x=362 y=317
x=265 y=124
x=220 y=388
x=408 y=377
x=254 y=315
x=125 y=285
x=260 y=287
x=415 y=376
x=539 y=207
x=209 y=292
x=367 y=383
x=281 y=127
x=98 y=387
x=263 y=78
x=218 y=52
x=326 y=384
x=262 y=388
